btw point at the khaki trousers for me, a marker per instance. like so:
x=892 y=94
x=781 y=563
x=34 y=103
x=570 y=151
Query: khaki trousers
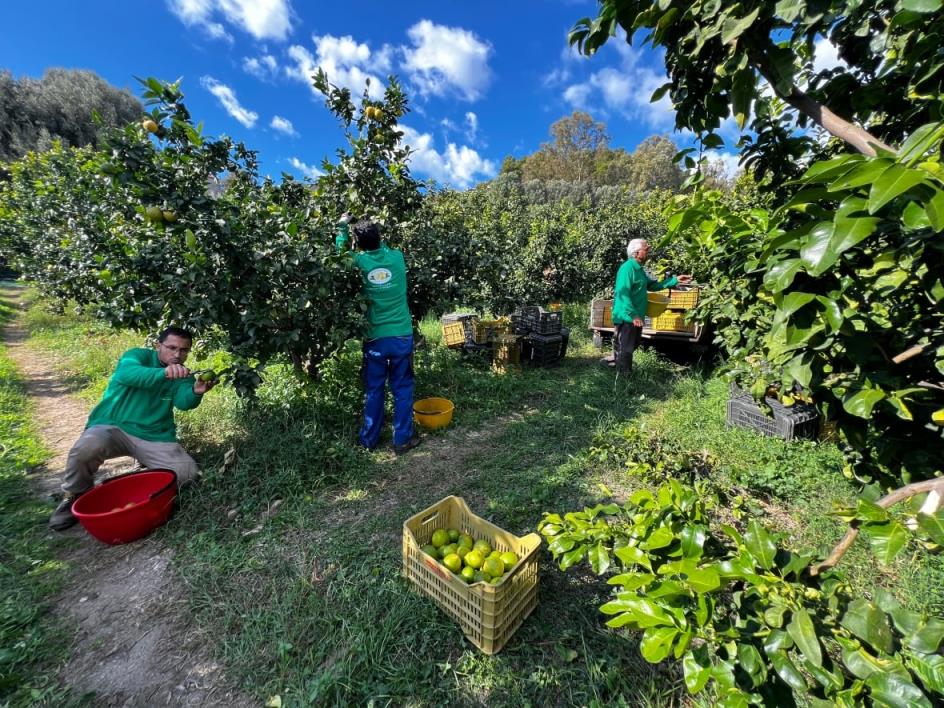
x=103 y=442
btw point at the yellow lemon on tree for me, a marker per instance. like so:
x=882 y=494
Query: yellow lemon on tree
x=453 y=535
x=474 y=559
x=483 y=547
x=466 y=541
x=493 y=567
x=440 y=537
x=509 y=559
x=154 y=213
x=150 y=126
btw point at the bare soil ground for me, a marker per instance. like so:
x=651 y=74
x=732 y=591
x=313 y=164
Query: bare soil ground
x=135 y=643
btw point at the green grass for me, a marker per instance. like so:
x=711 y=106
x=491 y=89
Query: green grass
x=312 y=607
x=30 y=640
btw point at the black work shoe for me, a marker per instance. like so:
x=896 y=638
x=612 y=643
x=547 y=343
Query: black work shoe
x=408 y=445
x=62 y=517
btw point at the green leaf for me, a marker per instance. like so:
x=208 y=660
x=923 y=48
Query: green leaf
x=887 y=539
x=921 y=140
x=777 y=640
x=704 y=580
x=869 y=623
x=860 y=402
x=693 y=541
x=862 y=174
x=934 y=208
x=780 y=275
x=631 y=555
x=760 y=545
x=773 y=616
x=631 y=581
x=894 y=181
x=734 y=27
x=657 y=643
x=751 y=661
x=895 y=690
x=696 y=667
x=787 y=670
x=922 y=6
x=803 y=633
x=572 y=557
x=933 y=526
x=930 y=669
x=599 y=558
x=660 y=538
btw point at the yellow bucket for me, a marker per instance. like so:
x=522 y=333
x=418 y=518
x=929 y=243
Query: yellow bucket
x=433 y=413
x=658 y=303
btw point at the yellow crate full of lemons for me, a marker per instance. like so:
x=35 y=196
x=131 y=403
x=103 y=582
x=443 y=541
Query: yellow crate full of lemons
x=487 y=580
x=670 y=321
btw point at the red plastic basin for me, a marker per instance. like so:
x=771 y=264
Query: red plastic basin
x=126 y=508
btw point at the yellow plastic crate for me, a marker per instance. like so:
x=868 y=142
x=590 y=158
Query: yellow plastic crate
x=507 y=353
x=484 y=331
x=488 y=614
x=670 y=321
x=453 y=334
x=683 y=299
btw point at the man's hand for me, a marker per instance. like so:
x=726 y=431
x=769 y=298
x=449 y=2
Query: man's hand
x=176 y=371
x=684 y=279
x=637 y=321
x=201 y=387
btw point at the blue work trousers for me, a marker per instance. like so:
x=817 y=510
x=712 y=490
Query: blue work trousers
x=387 y=358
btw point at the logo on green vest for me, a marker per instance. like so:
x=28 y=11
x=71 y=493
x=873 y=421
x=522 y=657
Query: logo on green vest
x=379 y=276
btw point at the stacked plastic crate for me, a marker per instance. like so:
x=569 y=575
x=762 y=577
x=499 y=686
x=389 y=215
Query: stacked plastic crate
x=545 y=341
x=797 y=422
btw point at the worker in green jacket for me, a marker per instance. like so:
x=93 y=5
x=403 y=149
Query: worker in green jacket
x=388 y=344
x=136 y=418
x=630 y=300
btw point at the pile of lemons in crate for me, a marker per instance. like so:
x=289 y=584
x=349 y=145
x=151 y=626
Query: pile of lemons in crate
x=474 y=561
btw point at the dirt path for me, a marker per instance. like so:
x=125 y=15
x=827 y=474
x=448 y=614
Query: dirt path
x=135 y=644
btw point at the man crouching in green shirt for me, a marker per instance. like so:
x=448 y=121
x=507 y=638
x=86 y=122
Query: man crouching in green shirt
x=630 y=300
x=136 y=418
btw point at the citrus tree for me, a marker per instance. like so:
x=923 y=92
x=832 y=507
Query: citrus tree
x=834 y=289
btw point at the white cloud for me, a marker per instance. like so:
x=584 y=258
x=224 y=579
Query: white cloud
x=283 y=125
x=459 y=166
x=625 y=90
x=447 y=61
x=227 y=98
x=471 y=126
x=306 y=170
x=264 y=67
x=727 y=160
x=826 y=56
x=263 y=19
x=346 y=62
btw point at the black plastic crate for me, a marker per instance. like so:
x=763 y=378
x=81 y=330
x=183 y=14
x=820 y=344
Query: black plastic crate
x=519 y=324
x=797 y=422
x=542 y=322
x=451 y=317
x=542 y=349
x=565 y=335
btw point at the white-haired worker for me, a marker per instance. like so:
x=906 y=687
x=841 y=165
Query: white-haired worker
x=630 y=301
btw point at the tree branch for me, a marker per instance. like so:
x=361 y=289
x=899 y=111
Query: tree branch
x=857 y=137
x=885 y=502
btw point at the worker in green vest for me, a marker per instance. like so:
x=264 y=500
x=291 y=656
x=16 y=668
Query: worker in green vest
x=136 y=418
x=388 y=344
x=630 y=300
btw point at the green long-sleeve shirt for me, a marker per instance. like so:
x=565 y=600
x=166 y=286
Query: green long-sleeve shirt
x=629 y=295
x=141 y=400
x=383 y=281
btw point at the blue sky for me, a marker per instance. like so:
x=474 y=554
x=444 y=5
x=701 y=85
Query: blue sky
x=485 y=79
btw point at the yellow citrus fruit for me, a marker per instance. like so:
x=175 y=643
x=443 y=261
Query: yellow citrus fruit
x=448 y=549
x=440 y=537
x=430 y=550
x=495 y=554
x=483 y=547
x=468 y=574
x=461 y=551
x=453 y=562
x=466 y=541
x=154 y=213
x=509 y=559
x=474 y=559
x=453 y=535
x=150 y=126
x=492 y=567
x=478 y=577
x=497 y=579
